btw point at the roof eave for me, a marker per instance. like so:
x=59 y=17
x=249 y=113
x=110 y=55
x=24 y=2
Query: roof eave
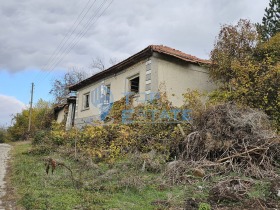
x=147 y=52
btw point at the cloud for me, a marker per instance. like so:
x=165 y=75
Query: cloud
x=9 y=106
x=32 y=29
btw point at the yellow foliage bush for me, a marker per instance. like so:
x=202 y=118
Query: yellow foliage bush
x=113 y=141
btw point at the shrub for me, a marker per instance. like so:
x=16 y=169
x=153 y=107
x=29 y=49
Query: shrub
x=3 y=135
x=40 y=137
x=58 y=134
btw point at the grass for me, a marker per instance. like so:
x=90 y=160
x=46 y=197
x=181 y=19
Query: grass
x=260 y=190
x=105 y=187
x=108 y=186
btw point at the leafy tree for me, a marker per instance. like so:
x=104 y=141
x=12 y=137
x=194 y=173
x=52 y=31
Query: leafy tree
x=42 y=117
x=247 y=69
x=270 y=48
x=234 y=43
x=271 y=20
x=19 y=130
x=3 y=134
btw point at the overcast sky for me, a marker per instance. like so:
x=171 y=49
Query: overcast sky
x=31 y=30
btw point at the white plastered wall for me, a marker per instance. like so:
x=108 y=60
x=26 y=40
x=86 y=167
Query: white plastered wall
x=119 y=85
x=177 y=77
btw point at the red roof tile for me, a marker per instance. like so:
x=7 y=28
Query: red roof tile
x=146 y=53
x=176 y=53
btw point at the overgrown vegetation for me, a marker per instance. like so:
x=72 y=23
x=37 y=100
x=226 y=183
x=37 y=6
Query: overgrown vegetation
x=236 y=139
x=97 y=186
x=113 y=141
x=3 y=134
x=42 y=117
x=247 y=69
x=225 y=156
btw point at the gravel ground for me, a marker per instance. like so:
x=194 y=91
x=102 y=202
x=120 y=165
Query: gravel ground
x=4 y=155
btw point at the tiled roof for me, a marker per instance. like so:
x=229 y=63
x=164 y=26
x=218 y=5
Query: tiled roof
x=59 y=107
x=146 y=53
x=178 y=54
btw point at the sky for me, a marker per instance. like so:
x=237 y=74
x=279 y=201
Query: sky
x=41 y=40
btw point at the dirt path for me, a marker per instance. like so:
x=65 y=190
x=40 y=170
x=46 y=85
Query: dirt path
x=4 y=155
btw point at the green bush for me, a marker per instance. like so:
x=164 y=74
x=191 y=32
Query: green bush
x=3 y=135
x=40 y=137
x=42 y=149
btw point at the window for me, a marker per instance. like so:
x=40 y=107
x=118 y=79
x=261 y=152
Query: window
x=134 y=85
x=86 y=101
x=107 y=94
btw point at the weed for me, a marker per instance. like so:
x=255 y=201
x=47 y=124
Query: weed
x=204 y=206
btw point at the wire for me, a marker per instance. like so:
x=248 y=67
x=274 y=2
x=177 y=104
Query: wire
x=67 y=36
x=78 y=37
x=55 y=51
x=75 y=38
x=60 y=47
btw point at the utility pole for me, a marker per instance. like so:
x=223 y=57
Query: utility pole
x=30 y=109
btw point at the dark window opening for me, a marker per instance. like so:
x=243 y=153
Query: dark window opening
x=134 y=85
x=86 y=101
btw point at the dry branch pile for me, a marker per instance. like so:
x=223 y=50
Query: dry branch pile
x=177 y=172
x=239 y=191
x=230 y=190
x=240 y=139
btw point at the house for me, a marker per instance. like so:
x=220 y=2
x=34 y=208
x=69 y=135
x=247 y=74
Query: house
x=65 y=112
x=155 y=68
x=60 y=112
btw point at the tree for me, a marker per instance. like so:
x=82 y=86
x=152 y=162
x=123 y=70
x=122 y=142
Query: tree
x=248 y=69
x=234 y=43
x=3 y=134
x=269 y=48
x=99 y=64
x=42 y=117
x=19 y=130
x=271 y=20
x=60 y=87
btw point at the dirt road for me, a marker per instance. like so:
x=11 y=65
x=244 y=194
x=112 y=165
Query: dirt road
x=4 y=155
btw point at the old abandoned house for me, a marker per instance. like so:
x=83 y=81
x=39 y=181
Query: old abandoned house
x=143 y=73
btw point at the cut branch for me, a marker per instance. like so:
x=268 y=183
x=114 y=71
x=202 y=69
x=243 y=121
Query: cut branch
x=240 y=154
